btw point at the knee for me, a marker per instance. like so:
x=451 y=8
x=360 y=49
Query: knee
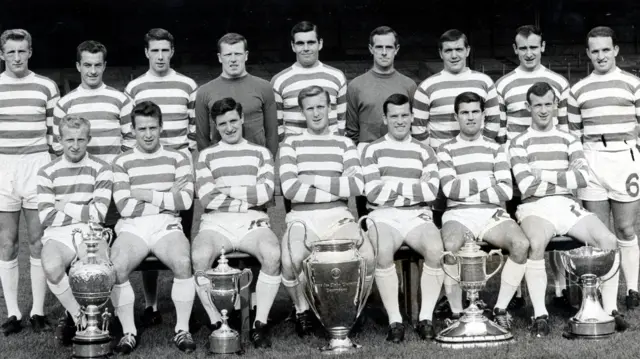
x=200 y=259
x=537 y=247
x=8 y=245
x=626 y=230
x=270 y=260
x=451 y=244
x=182 y=267
x=519 y=249
x=54 y=270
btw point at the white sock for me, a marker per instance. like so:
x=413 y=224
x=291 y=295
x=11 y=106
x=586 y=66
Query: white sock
x=150 y=290
x=122 y=298
x=183 y=292
x=609 y=290
x=38 y=286
x=536 y=277
x=510 y=280
x=62 y=291
x=630 y=262
x=205 y=299
x=295 y=290
x=266 y=290
x=9 y=275
x=387 y=282
x=430 y=284
x=519 y=291
x=452 y=289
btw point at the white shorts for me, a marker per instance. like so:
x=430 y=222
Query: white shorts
x=403 y=220
x=19 y=180
x=561 y=211
x=63 y=234
x=150 y=228
x=234 y=226
x=324 y=223
x=612 y=175
x=477 y=220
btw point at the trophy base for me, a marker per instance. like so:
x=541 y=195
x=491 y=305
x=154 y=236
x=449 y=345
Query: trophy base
x=225 y=346
x=91 y=347
x=473 y=334
x=583 y=330
x=340 y=346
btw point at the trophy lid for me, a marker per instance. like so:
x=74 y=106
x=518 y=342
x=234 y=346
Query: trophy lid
x=223 y=268
x=470 y=248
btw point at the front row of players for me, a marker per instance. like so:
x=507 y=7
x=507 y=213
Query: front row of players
x=319 y=171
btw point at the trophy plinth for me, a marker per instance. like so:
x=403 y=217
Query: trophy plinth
x=473 y=329
x=225 y=340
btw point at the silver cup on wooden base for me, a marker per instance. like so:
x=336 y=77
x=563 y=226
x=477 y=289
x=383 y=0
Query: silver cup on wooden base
x=91 y=280
x=473 y=329
x=334 y=285
x=592 y=266
x=224 y=294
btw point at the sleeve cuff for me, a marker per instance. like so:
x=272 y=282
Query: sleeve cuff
x=157 y=198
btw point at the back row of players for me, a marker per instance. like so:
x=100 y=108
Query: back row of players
x=148 y=133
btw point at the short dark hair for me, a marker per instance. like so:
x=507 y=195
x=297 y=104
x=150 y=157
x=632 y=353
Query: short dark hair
x=602 y=31
x=383 y=30
x=231 y=39
x=539 y=89
x=467 y=97
x=158 y=34
x=223 y=106
x=396 y=99
x=452 y=35
x=528 y=30
x=92 y=47
x=304 y=26
x=74 y=121
x=146 y=109
x=312 y=91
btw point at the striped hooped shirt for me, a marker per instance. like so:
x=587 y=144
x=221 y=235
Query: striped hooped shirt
x=109 y=112
x=512 y=94
x=474 y=173
x=234 y=178
x=288 y=83
x=312 y=171
x=176 y=96
x=604 y=110
x=85 y=186
x=393 y=172
x=26 y=114
x=551 y=152
x=433 y=106
x=156 y=171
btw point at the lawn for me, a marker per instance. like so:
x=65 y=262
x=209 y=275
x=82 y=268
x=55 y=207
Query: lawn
x=156 y=342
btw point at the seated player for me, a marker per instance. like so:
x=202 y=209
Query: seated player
x=319 y=171
x=72 y=190
x=549 y=165
x=475 y=176
x=234 y=180
x=401 y=178
x=151 y=184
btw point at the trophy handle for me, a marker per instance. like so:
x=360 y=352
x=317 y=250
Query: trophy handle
x=199 y=274
x=75 y=246
x=249 y=275
x=567 y=267
x=497 y=252
x=602 y=280
x=295 y=267
x=444 y=268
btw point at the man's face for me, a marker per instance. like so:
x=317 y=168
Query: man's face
x=233 y=59
x=398 y=120
x=529 y=51
x=147 y=132
x=603 y=54
x=384 y=50
x=307 y=47
x=16 y=55
x=74 y=142
x=470 y=117
x=541 y=108
x=229 y=125
x=159 y=53
x=454 y=55
x=316 y=111
x=91 y=68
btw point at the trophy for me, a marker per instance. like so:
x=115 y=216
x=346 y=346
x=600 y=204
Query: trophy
x=91 y=280
x=473 y=329
x=334 y=285
x=592 y=266
x=224 y=293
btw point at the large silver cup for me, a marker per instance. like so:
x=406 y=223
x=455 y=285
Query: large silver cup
x=473 y=329
x=592 y=266
x=224 y=294
x=91 y=279
x=334 y=285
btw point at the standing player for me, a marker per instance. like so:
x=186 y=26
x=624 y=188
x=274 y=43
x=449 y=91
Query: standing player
x=26 y=117
x=367 y=92
x=604 y=111
x=175 y=94
x=151 y=185
x=401 y=178
x=319 y=171
x=548 y=165
x=73 y=190
x=234 y=182
x=476 y=178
